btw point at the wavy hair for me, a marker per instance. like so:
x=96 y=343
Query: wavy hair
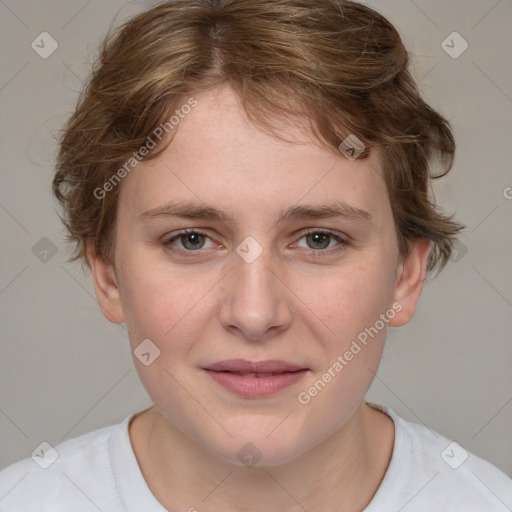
x=339 y=65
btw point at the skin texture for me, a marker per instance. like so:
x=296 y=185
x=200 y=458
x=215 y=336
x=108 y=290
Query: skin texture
x=328 y=454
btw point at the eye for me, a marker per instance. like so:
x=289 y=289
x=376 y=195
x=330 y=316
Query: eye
x=189 y=242
x=318 y=240
x=190 y=239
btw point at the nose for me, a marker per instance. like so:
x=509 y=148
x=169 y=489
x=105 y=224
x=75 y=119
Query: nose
x=257 y=302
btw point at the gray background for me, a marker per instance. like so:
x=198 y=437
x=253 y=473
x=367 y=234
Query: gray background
x=65 y=370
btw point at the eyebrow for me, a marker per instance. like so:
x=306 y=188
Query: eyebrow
x=195 y=211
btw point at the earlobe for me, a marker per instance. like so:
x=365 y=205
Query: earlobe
x=410 y=279
x=105 y=286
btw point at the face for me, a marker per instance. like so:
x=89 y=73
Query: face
x=239 y=254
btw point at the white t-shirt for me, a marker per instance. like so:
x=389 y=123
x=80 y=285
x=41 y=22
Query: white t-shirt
x=98 y=471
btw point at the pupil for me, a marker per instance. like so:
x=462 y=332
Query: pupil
x=193 y=239
x=318 y=237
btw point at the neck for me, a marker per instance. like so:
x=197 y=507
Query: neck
x=342 y=473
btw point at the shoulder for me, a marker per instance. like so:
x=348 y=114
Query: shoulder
x=76 y=473
x=430 y=472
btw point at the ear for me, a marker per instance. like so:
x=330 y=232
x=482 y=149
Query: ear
x=410 y=278
x=105 y=286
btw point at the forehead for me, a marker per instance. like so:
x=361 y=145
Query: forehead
x=219 y=156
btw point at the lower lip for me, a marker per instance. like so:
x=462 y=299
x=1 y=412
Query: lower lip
x=255 y=386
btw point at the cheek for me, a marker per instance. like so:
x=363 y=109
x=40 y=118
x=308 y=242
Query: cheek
x=352 y=334
x=149 y=308
x=350 y=300
x=167 y=309
x=156 y=301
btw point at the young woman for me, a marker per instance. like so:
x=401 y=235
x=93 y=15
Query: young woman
x=248 y=181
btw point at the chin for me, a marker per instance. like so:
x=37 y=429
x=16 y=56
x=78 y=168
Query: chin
x=256 y=448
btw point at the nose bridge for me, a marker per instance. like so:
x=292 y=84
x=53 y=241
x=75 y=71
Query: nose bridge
x=255 y=299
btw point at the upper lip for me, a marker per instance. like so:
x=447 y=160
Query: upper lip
x=244 y=366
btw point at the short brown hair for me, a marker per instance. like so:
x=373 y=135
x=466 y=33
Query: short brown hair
x=337 y=64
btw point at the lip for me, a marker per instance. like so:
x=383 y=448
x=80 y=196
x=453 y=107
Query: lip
x=242 y=365
x=286 y=374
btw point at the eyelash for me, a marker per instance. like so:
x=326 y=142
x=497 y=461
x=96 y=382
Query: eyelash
x=315 y=253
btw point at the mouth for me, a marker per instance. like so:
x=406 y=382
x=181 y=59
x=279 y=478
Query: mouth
x=257 y=375
x=255 y=379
